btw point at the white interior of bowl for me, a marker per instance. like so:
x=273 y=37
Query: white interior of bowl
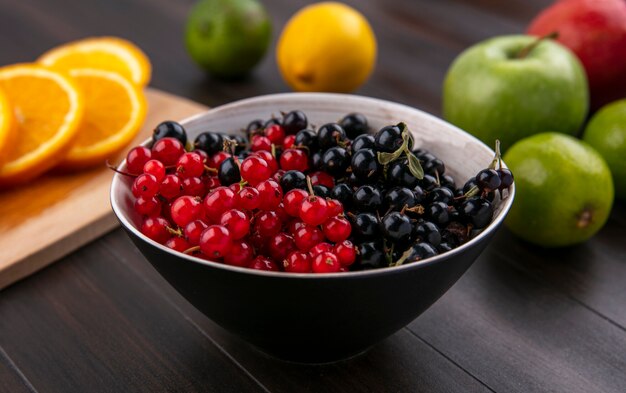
x=462 y=154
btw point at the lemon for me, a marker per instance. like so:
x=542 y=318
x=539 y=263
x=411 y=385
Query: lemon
x=606 y=132
x=564 y=190
x=326 y=47
x=228 y=37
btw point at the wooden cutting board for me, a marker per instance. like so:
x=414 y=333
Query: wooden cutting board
x=56 y=214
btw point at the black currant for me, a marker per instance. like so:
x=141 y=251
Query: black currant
x=438 y=213
x=428 y=232
x=433 y=167
x=354 y=124
x=294 y=121
x=329 y=135
x=398 y=173
x=271 y=122
x=228 y=173
x=293 y=179
x=388 y=139
x=506 y=178
x=321 y=190
x=367 y=198
x=488 y=180
x=335 y=161
x=476 y=211
x=441 y=194
x=447 y=181
x=209 y=142
x=397 y=227
x=170 y=129
x=254 y=125
x=343 y=193
x=362 y=142
x=428 y=183
x=242 y=143
x=444 y=247
x=365 y=226
x=365 y=164
x=399 y=197
x=315 y=160
x=421 y=251
x=307 y=138
x=370 y=256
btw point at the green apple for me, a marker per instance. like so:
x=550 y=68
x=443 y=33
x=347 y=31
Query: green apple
x=512 y=87
x=606 y=132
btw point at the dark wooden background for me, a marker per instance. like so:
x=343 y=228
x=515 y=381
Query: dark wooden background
x=521 y=320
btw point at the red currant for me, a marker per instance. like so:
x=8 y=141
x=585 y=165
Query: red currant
x=281 y=213
x=156 y=229
x=203 y=155
x=323 y=179
x=145 y=185
x=216 y=160
x=335 y=207
x=215 y=241
x=294 y=159
x=346 y=252
x=212 y=183
x=193 y=186
x=248 y=198
x=275 y=133
x=293 y=200
x=137 y=158
x=177 y=243
x=186 y=209
x=240 y=254
x=269 y=159
x=278 y=175
x=271 y=194
x=320 y=248
x=267 y=224
x=156 y=169
x=148 y=206
x=263 y=263
x=167 y=150
x=217 y=202
x=307 y=236
x=289 y=141
x=314 y=210
x=254 y=170
x=280 y=246
x=193 y=231
x=326 y=262
x=297 y=262
x=294 y=225
x=237 y=223
x=189 y=165
x=171 y=187
x=336 y=229
x=260 y=142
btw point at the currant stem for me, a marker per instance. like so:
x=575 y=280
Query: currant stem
x=310 y=186
x=114 y=169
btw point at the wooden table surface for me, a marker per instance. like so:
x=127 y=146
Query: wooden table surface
x=521 y=319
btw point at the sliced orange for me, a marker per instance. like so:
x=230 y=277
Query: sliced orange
x=48 y=109
x=7 y=123
x=105 y=53
x=115 y=109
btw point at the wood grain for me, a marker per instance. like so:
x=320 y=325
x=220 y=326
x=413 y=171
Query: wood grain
x=56 y=214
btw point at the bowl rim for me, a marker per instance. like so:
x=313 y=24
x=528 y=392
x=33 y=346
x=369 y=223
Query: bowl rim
x=439 y=258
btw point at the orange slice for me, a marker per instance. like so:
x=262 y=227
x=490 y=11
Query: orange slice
x=48 y=108
x=105 y=53
x=6 y=127
x=115 y=109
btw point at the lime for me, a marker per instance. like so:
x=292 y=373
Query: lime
x=227 y=37
x=606 y=132
x=564 y=190
x=326 y=46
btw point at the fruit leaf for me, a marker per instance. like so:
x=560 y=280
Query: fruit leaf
x=414 y=166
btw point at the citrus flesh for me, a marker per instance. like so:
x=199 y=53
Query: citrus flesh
x=106 y=53
x=606 y=132
x=326 y=47
x=48 y=108
x=6 y=127
x=564 y=190
x=114 y=111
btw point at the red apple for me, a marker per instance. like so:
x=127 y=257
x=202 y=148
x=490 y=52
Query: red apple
x=596 y=31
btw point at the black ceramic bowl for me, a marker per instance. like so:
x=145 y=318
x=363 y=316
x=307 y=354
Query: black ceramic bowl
x=315 y=318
